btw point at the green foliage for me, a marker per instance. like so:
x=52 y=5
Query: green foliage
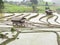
x=14 y=8
x=34 y=3
x=22 y=8
x=1 y=5
x=13 y=30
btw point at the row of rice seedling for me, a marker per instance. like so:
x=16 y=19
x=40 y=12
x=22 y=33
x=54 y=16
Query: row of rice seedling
x=56 y=19
x=33 y=16
x=14 y=16
x=7 y=16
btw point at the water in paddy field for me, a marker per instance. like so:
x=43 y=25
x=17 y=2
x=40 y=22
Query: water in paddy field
x=35 y=39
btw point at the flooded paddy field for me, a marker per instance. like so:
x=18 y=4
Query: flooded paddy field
x=40 y=38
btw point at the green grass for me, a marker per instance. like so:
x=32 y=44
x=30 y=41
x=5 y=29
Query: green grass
x=14 y=8
x=21 y=9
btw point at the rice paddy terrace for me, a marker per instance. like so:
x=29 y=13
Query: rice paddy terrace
x=39 y=30
x=35 y=19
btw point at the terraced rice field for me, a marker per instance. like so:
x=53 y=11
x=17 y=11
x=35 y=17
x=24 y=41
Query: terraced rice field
x=25 y=37
x=36 y=19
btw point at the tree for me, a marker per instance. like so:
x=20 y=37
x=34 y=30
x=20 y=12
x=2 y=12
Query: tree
x=1 y=7
x=34 y=3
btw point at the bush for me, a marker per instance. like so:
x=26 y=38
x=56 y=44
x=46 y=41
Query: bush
x=13 y=30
